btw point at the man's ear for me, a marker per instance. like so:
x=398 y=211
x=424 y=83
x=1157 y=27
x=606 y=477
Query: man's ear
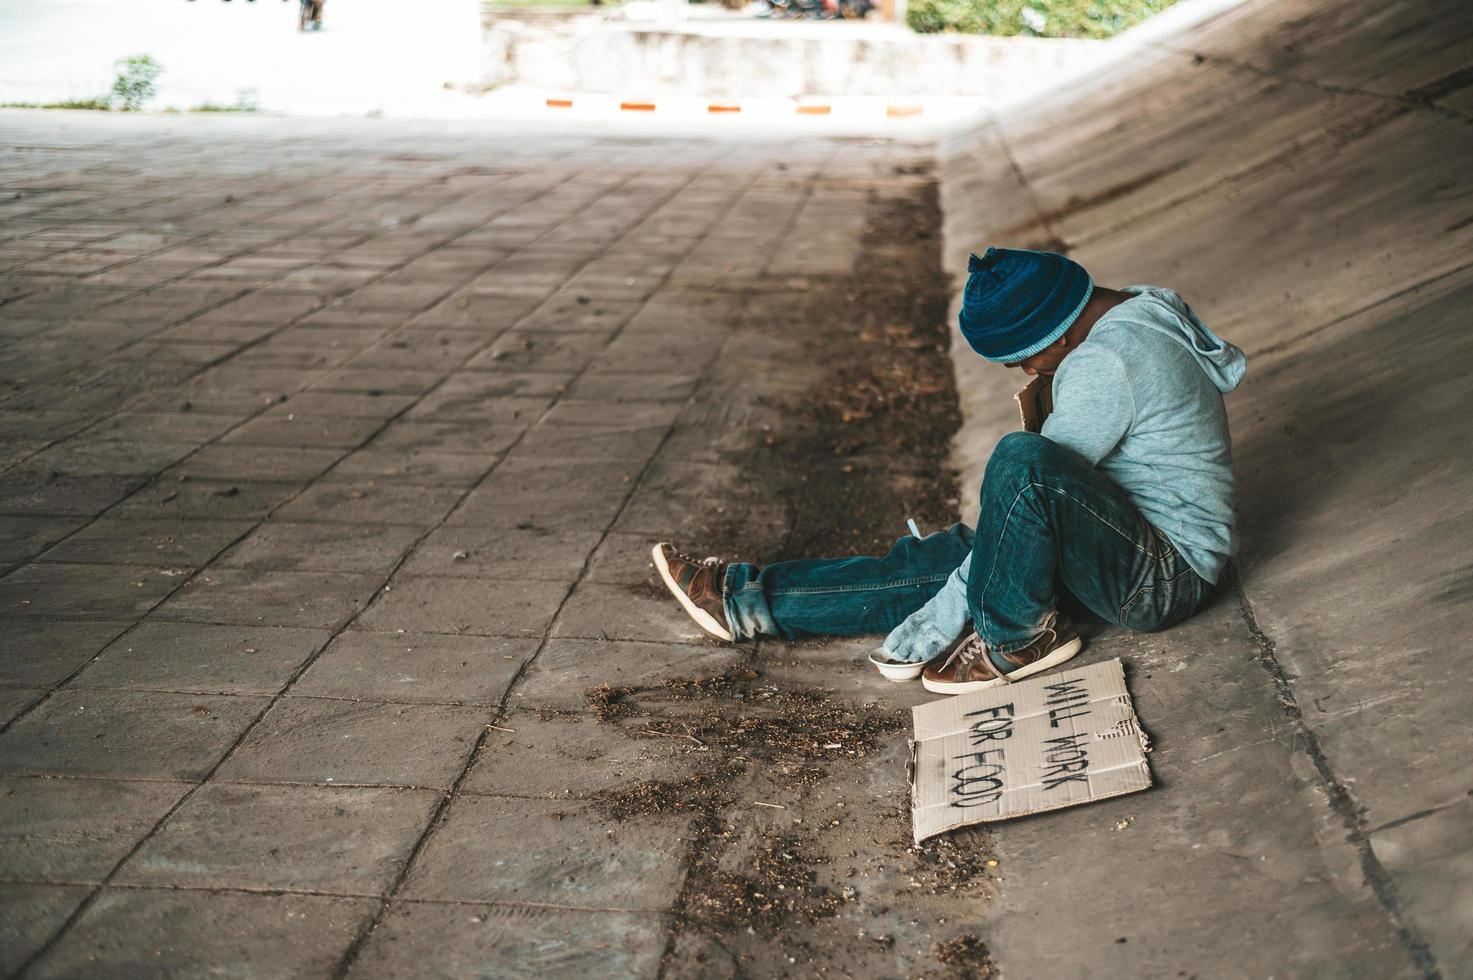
x=1063 y=340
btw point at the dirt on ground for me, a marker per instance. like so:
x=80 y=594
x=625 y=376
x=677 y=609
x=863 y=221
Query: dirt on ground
x=877 y=438
x=832 y=886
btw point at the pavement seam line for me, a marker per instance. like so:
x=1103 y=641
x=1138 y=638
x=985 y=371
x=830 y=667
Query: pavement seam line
x=87 y=902
x=1341 y=801
x=241 y=290
x=260 y=411
x=673 y=937
x=355 y=948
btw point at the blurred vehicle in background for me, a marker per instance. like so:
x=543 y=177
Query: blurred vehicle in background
x=819 y=9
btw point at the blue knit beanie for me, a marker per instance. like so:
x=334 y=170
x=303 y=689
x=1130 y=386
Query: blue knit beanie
x=1018 y=302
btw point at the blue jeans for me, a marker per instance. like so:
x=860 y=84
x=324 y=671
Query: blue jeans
x=1052 y=527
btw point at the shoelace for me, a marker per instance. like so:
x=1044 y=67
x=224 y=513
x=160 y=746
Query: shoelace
x=713 y=560
x=969 y=652
x=973 y=650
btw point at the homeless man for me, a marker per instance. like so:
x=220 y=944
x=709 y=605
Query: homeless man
x=1121 y=504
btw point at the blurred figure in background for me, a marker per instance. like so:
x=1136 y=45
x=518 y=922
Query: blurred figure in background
x=311 y=14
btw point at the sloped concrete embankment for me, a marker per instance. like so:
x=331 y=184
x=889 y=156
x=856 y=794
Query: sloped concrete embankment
x=1298 y=171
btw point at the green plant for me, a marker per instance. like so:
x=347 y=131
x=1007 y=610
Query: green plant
x=245 y=101
x=136 y=81
x=1038 y=18
x=96 y=104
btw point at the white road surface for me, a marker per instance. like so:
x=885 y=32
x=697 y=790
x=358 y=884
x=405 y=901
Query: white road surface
x=390 y=56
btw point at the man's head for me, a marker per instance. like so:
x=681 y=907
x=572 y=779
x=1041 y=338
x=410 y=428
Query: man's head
x=1019 y=306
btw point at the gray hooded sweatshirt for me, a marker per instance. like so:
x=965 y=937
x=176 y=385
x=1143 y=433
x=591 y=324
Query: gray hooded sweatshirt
x=1141 y=399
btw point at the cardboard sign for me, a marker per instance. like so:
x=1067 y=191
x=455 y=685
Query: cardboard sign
x=1035 y=402
x=1063 y=738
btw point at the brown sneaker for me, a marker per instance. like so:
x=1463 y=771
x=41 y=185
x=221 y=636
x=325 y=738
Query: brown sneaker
x=697 y=586
x=972 y=667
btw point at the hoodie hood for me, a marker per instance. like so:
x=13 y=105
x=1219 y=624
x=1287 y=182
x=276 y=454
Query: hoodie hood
x=1224 y=363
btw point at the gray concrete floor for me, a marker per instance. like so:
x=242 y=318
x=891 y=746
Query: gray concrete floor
x=259 y=716
x=333 y=457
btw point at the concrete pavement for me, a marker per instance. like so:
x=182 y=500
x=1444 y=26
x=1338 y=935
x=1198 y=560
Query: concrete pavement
x=333 y=456
x=333 y=449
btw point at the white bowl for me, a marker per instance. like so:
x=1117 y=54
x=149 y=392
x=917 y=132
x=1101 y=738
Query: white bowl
x=895 y=670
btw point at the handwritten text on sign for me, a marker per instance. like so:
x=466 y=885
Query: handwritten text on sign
x=1067 y=738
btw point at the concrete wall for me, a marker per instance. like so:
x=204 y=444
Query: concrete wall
x=770 y=59
x=1298 y=170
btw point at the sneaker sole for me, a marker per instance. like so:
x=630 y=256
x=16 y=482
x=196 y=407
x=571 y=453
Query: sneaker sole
x=703 y=619
x=1061 y=655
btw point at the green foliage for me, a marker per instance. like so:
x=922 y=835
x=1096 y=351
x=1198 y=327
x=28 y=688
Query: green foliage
x=100 y=105
x=245 y=101
x=1037 y=18
x=136 y=81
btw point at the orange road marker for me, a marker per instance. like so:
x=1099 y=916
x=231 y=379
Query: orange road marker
x=903 y=110
x=637 y=106
x=560 y=103
x=815 y=110
x=723 y=107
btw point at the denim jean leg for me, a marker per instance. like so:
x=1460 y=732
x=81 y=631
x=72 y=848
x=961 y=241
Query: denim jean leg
x=842 y=596
x=1048 y=514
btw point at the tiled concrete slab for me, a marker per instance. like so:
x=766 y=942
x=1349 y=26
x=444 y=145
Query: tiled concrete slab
x=634 y=443
x=45 y=591
x=470 y=438
x=319 y=740
x=506 y=553
x=563 y=754
x=362 y=379
x=257 y=464
x=117 y=733
x=510 y=942
x=625 y=559
x=608 y=387
x=416 y=667
x=562 y=855
x=304 y=430
x=367 y=503
x=191 y=428
x=97 y=452
x=568 y=668
x=412 y=468
x=140 y=933
x=171 y=544
x=626 y=612
x=202 y=658
x=366 y=405
x=248 y=598
x=448 y=404
x=42 y=653
x=53 y=494
x=208 y=499
x=482 y=607
x=549 y=494
x=31 y=915
x=285 y=545
x=22 y=538
x=15 y=701
x=74 y=830
x=346 y=841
